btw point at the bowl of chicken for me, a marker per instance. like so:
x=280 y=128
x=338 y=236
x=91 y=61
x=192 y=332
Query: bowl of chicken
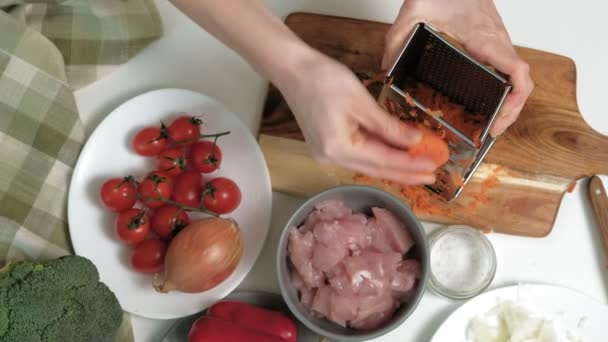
x=352 y=263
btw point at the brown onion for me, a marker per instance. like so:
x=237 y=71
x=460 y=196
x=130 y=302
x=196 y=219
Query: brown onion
x=202 y=255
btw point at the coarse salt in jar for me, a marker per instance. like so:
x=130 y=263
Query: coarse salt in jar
x=463 y=262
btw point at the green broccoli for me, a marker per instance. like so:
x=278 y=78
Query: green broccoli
x=57 y=301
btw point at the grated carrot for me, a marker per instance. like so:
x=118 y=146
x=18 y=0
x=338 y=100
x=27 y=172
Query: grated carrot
x=422 y=201
x=408 y=100
x=572 y=187
x=456 y=115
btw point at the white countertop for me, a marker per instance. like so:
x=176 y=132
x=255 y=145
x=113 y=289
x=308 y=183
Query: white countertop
x=187 y=57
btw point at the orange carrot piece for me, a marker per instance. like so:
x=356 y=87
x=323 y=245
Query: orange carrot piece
x=431 y=145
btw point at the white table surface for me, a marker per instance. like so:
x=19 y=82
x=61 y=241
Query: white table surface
x=188 y=57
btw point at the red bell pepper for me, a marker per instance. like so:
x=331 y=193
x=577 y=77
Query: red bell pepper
x=255 y=318
x=213 y=329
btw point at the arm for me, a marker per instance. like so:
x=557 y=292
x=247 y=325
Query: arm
x=249 y=28
x=340 y=121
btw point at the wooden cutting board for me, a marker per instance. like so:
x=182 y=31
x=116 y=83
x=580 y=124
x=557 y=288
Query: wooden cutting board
x=535 y=162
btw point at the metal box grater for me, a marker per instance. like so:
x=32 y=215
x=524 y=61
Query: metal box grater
x=429 y=58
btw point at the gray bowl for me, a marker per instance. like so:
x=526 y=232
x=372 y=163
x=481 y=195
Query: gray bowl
x=360 y=199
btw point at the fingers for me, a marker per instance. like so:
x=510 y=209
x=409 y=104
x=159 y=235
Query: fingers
x=398 y=177
x=501 y=55
x=371 y=156
x=513 y=105
x=408 y=16
x=387 y=127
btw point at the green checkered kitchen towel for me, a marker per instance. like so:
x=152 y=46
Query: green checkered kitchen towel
x=48 y=48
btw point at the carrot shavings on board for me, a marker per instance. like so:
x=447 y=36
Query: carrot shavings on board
x=572 y=187
x=424 y=202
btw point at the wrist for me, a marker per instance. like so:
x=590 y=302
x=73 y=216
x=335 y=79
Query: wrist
x=293 y=61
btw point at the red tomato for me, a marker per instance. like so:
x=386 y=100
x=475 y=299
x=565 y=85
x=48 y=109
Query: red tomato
x=221 y=195
x=205 y=156
x=172 y=161
x=156 y=185
x=132 y=226
x=150 y=141
x=119 y=194
x=149 y=256
x=168 y=220
x=185 y=129
x=188 y=188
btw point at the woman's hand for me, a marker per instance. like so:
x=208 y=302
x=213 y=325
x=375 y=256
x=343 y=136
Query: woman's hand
x=340 y=120
x=477 y=25
x=344 y=125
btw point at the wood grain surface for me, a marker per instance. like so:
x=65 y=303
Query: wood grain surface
x=599 y=202
x=536 y=161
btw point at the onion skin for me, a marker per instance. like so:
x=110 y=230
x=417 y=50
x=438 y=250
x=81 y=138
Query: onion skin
x=202 y=256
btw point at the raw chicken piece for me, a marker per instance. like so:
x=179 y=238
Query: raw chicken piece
x=390 y=262
x=380 y=242
x=402 y=282
x=404 y=279
x=296 y=281
x=326 y=211
x=332 y=210
x=311 y=220
x=340 y=281
x=411 y=266
x=328 y=233
x=374 y=311
x=356 y=232
x=342 y=308
x=325 y=258
x=397 y=234
x=321 y=303
x=370 y=273
x=306 y=293
x=300 y=249
x=350 y=232
x=337 y=308
x=362 y=278
x=349 y=268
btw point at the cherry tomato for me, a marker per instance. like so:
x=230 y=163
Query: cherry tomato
x=132 y=226
x=221 y=195
x=188 y=188
x=150 y=141
x=149 y=256
x=205 y=156
x=119 y=194
x=168 y=220
x=156 y=185
x=172 y=161
x=185 y=129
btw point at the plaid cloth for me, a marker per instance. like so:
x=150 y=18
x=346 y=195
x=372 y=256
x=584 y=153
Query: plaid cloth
x=47 y=49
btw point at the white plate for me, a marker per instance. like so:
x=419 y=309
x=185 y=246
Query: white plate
x=108 y=154
x=581 y=315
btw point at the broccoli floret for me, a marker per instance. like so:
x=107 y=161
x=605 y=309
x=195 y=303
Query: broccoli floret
x=57 y=301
